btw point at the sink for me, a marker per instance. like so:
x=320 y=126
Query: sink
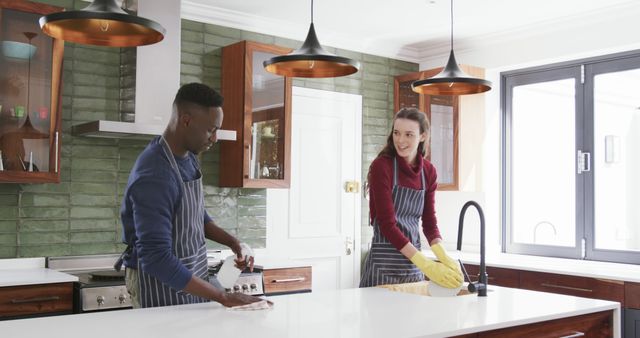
x=418 y=288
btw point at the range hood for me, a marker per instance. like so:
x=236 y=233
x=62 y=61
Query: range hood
x=157 y=81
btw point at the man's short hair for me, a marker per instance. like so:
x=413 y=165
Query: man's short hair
x=200 y=94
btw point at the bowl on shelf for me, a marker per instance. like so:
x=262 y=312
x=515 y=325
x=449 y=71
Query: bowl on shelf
x=18 y=50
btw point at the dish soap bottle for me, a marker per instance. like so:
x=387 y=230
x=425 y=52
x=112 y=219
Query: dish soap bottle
x=229 y=273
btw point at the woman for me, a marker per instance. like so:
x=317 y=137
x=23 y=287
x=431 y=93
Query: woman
x=402 y=186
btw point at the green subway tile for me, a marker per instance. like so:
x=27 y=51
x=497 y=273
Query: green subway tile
x=191 y=70
x=9 y=200
x=8 y=239
x=371 y=103
x=93 y=224
x=93 y=237
x=8 y=251
x=223 y=31
x=348 y=90
x=210 y=51
x=211 y=245
x=252 y=222
x=94 y=104
x=191 y=59
x=93 y=176
x=92 y=151
x=211 y=61
x=252 y=211
x=92 y=212
x=211 y=201
x=184 y=79
x=8 y=226
x=257 y=37
x=219 y=41
x=93 y=188
x=252 y=233
x=375 y=68
x=368 y=58
x=91 y=79
x=93 y=200
x=380 y=86
x=32 y=225
x=249 y=201
x=49 y=187
x=94 y=248
x=7 y=213
x=192 y=25
x=192 y=36
x=44 y=200
x=220 y=212
x=212 y=190
x=94 y=163
x=43 y=237
x=95 y=68
x=227 y=223
x=10 y=189
x=107 y=57
x=38 y=212
x=43 y=250
x=403 y=66
x=192 y=47
x=97 y=92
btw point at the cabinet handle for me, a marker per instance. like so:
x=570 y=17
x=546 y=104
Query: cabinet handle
x=35 y=300
x=574 y=335
x=566 y=287
x=288 y=280
x=56 y=154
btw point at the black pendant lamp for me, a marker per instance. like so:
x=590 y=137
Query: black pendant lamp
x=451 y=80
x=311 y=60
x=102 y=23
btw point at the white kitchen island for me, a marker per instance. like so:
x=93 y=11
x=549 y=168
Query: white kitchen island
x=368 y=312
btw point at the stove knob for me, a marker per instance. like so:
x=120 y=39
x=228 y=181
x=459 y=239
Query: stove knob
x=100 y=300
x=245 y=288
x=253 y=286
x=122 y=298
x=236 y=288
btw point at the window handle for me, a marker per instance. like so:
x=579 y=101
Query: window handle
x=584 y=161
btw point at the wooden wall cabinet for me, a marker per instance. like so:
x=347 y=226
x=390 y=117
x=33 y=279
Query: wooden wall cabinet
x=442 y=112
x=30 y=82
x=36 y=300
x=257 y=105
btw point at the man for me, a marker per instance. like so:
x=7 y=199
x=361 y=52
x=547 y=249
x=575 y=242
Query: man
x=163 y=215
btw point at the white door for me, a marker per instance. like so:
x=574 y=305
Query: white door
x=316 y=220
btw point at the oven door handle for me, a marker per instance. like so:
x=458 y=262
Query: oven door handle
x=35 y=300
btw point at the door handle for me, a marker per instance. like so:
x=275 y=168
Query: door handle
x=352 y=187
x=348 y=245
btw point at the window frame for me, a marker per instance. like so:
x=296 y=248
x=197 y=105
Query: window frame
x=583 y=71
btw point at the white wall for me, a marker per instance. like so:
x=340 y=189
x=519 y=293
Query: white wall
x=480 y=149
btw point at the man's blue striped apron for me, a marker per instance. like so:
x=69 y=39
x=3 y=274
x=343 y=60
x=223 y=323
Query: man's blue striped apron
x=384 y=263
x=188 y=244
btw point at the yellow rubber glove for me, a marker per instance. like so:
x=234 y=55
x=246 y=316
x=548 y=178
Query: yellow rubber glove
x=439 y=251
x=437 y=272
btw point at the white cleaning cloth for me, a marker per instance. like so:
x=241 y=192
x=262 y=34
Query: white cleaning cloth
x=261 y=305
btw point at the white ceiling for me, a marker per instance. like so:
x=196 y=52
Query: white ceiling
x=412 y=30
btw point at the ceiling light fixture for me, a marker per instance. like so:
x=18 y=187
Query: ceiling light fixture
x=451 y=80
x=311 y=60
x=102 y=23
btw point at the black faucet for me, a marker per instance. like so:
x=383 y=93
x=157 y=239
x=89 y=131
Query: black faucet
x=481 y=285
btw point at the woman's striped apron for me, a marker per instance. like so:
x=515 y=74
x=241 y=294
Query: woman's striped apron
x=188 y=244
x=384 y=263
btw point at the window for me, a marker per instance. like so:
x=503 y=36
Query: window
x=571 y=159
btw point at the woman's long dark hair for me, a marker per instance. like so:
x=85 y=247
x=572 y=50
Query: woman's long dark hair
x=389 y=149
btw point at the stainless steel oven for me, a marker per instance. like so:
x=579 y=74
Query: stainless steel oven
x=99 y=288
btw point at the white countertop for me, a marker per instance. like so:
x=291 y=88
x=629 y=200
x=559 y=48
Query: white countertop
x=367 y=312
x=30 y=276
x=574 y=267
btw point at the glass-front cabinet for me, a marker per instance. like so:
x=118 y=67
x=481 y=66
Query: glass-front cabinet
x=257 y=105
x=30 y=75
x=442 y=112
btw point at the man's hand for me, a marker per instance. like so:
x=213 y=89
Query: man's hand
x=243 y=258
x=237 y=298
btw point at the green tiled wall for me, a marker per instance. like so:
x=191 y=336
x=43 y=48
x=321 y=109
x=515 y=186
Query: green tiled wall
x=81 y=214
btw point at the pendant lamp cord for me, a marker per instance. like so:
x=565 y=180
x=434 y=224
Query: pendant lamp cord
x=311 y=11
x=451 y=24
